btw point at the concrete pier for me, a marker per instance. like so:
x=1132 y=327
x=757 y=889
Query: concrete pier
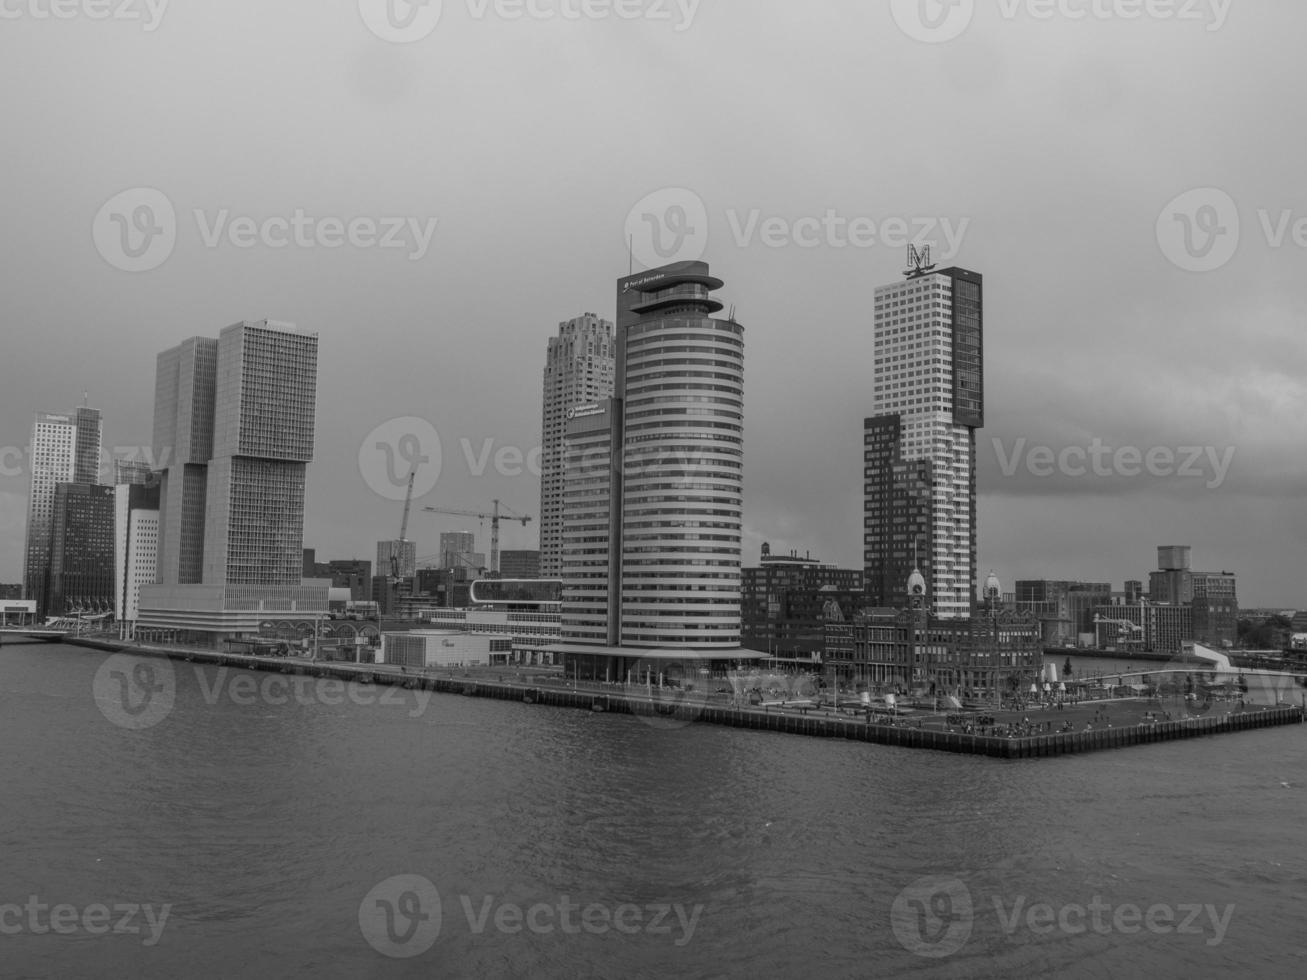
x=676 y=712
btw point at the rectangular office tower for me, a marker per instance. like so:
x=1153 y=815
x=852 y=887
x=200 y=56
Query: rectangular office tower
x=653 y=483
x=184 y=382
x=580 y=370
x=919 y=448
x=233 y=436
x=81 y=551
x=64 y=449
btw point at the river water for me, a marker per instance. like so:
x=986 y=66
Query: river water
x=254 y=829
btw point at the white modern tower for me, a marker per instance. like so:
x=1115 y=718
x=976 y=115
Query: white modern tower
x=919 y=448
x=653 y=487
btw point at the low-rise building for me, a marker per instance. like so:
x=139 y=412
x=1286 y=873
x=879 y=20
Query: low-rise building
x=1143 y=627
x=786 y=600
x=427 y=649
x=907 y=651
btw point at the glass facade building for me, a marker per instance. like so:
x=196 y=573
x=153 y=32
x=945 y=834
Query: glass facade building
x=82 y=550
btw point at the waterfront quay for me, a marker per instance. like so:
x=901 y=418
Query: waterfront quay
x=1036 y=732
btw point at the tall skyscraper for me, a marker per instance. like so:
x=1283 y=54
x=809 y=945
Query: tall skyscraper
x=64 y=449
x=87 y=445
x=184 y=391
x=652 y=500
x=919 y=448
x=233 y=436
x=580 y=370
x=263 y=426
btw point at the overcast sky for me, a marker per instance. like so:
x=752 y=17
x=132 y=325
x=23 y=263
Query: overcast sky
x=1054 y=151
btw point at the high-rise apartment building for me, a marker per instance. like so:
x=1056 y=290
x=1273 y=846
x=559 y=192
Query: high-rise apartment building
x=580 y=372
x=64 y=449
x=652 y=498
x=919 y=448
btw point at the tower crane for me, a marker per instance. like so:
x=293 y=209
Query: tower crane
x=494 y=518
x=403 y=525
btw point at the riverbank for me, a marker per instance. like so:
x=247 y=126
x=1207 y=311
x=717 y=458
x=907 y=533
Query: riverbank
x=1035 y=736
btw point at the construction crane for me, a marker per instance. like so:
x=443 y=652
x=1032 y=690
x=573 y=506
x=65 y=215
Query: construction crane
x=493 y=517
x=403 y=525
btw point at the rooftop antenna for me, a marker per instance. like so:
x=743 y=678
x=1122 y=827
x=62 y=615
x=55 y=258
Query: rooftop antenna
x=630 y=251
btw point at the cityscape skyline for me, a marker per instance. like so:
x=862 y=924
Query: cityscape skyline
x=726 y=472
x=1009 y=570
x=1102 y=336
